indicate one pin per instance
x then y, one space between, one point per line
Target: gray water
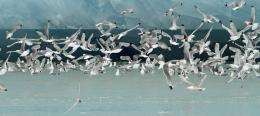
130 94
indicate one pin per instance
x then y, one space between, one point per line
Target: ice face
72 13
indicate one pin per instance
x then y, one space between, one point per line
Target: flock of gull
59 56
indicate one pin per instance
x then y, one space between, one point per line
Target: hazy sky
72 13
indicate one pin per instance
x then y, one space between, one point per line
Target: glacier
73 13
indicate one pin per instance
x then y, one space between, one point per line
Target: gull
22 50
218 55
69 41
142 53
188 56
241 70
78 100
47 40
150 64
50 66
86 45
109 51
122 34
127 11
45 36
11 33
160 59
74 45
241 66
142 71
117 72
198 87
215 62
85 57
37 66
161 45
60 50
25 40
184 36
252 20
207 18
235 5
105 28
237 57
250 44
172 10
4 67
172 40
2 88
46 30
234 33
48 52
167 75
126 58
203 44
192 86
174 25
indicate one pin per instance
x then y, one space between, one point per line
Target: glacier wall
72 13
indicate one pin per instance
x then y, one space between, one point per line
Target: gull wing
233 27
223 50
201 24
208 34
228 30
217 49
253 13
83 37
89 38
199 11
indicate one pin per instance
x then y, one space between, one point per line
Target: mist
73 13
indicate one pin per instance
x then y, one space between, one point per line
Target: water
130 94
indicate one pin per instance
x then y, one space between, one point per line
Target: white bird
2 88
174 25
252 20
172 40
184 36
127 11
11 33
122 34
4 67
24 40
45 36
78 100
46 39
86 45
206 17
109 51
198 87
167 75
192 86
235 5
117 72
234 33
105 28
22 50
172 10
203 44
